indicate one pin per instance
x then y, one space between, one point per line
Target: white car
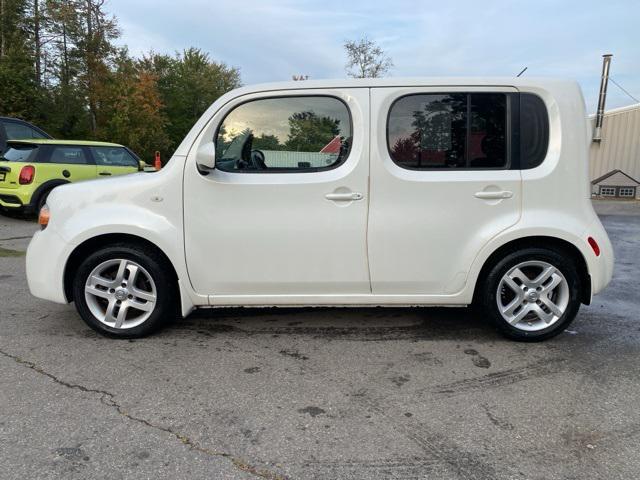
345 192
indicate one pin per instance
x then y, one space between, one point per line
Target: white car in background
344 192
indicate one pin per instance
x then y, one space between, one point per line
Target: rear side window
285 134
18 131
451 130
20 153
68 155
534 130
113 157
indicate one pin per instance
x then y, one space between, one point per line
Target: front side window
68 155
113 157
286 134
454 130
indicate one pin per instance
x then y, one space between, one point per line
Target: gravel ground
321 393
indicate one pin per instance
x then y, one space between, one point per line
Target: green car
30 169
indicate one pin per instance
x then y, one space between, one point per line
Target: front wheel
123 291
532 294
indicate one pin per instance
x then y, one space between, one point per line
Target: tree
267 142
405 149
133 110
18 87
188 84
365 59
60 68
310 133
94 43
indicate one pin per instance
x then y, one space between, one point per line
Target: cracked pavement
321 393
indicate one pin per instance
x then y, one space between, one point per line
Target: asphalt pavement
321 393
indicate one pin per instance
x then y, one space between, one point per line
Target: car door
283 215
111 160
66 162
444 181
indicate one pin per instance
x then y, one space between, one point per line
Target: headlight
43 217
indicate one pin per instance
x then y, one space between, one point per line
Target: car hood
135 188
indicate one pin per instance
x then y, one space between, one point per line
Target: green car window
69 155
113 157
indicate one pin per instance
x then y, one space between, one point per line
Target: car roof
405 82
80 143
24 122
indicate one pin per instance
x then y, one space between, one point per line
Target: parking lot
321 393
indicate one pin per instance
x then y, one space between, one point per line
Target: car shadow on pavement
331 323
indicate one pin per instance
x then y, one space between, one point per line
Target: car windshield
20 153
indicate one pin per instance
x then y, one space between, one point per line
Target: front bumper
46 258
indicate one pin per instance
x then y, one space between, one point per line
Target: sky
273 40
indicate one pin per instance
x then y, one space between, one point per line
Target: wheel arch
544 241
92 244
44 188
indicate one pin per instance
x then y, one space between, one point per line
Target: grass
5 252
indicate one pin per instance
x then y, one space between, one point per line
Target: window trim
287 170
509 140
608 189
632 192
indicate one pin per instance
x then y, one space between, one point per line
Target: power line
620 87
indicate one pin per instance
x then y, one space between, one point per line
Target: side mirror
206 156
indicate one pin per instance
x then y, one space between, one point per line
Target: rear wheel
42 200
532 294
123 291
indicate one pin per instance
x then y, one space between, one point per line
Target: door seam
366 234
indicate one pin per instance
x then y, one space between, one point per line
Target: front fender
105 219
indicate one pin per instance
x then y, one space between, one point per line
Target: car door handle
344 197
494 195
104 173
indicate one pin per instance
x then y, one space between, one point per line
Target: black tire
488 291
42 199
165 309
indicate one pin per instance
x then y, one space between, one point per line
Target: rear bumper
12 199
46 259
600 266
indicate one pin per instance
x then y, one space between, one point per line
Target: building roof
615 111
611 173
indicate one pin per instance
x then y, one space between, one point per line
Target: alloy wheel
120 293
532 295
